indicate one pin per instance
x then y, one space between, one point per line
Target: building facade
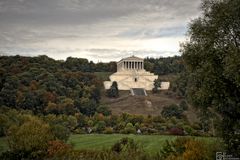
131 74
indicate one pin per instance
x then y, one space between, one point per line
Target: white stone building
131 74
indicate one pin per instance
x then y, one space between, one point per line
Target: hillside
149 105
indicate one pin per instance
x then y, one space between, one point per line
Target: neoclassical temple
130 63
131 74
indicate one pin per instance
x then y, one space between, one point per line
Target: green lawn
150 143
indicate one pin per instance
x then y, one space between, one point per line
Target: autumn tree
212 61
32 136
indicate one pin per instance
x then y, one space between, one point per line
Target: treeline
71 64
164 66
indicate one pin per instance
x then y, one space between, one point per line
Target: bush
186 149
108 130
176 131
188 129
104 110
176 147
194 149
58 148
100 126
130 129
171 111
79 131
125 145
61 132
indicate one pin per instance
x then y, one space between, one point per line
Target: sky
99 30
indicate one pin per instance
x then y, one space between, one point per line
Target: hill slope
145 105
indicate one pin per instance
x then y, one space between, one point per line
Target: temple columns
132 65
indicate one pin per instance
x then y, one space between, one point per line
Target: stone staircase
138 92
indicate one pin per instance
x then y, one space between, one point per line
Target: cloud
115 28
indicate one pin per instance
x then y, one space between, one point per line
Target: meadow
150 143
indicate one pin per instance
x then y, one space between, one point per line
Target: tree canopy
211 57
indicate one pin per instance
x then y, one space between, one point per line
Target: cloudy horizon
100 30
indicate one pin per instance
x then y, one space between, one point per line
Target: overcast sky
100 30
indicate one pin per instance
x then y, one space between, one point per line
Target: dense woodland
44 85
164 66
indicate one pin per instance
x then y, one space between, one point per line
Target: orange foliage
33 85
100 117
57 148
49 97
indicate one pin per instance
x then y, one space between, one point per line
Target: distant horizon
32 56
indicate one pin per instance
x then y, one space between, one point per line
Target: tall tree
113 91
212 61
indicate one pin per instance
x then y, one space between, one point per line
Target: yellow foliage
194 151
31 135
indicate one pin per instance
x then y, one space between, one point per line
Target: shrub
176 131
104 110
188 149
60 132
171 111
188 129
130 129
172 148
194 149
108 130
100 126
79 131
125 145
57 148
158 119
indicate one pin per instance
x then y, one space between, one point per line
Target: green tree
157 84
213 64
104 110
100 126
60 132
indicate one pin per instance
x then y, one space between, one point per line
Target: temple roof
131 58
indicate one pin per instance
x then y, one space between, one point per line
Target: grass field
150 143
